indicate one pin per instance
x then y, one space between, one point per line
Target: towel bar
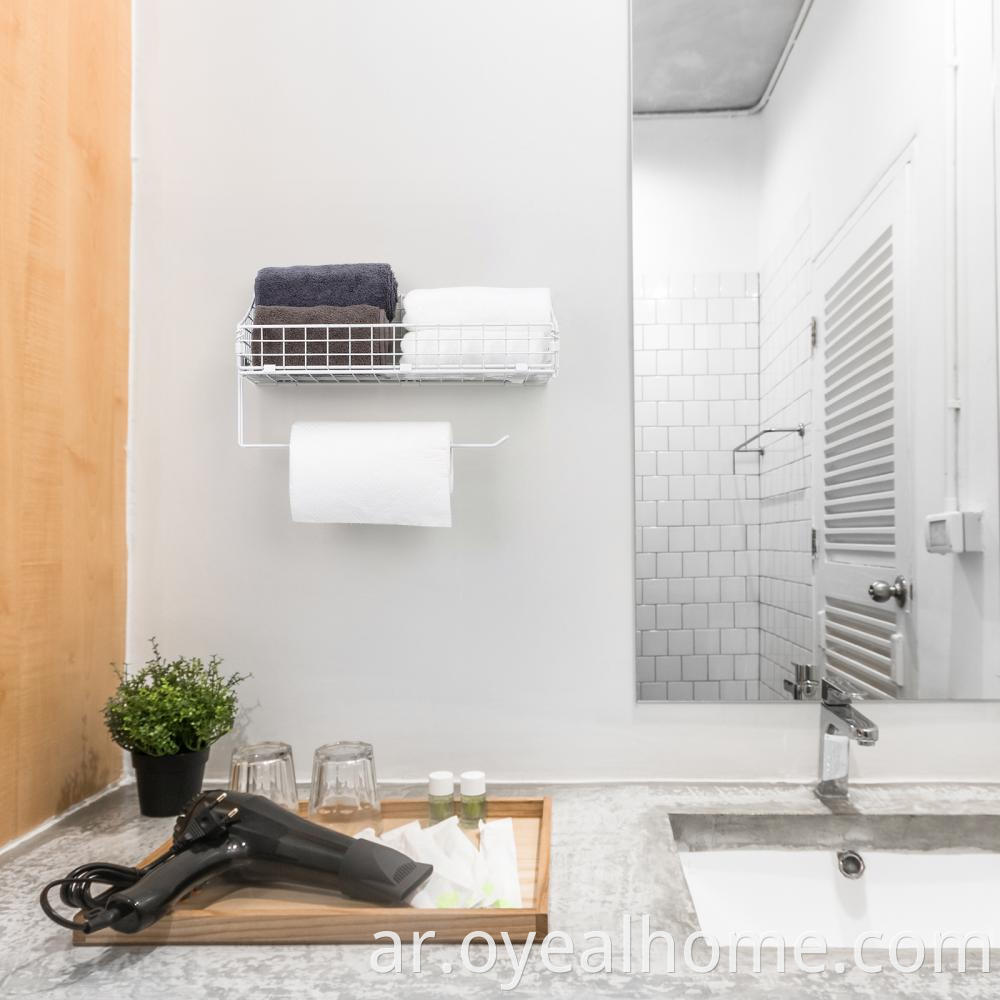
743 449
455 444
243 443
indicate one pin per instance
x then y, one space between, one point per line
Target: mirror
814 193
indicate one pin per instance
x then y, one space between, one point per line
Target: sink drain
851 864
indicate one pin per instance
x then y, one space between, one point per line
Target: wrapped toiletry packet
498 850
458 872
463 877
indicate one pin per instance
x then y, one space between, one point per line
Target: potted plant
168 714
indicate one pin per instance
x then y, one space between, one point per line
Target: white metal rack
303 346
396 353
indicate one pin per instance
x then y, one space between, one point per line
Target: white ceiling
706 55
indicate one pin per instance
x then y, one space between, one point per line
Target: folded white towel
477 327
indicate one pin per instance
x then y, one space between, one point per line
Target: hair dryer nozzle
381 874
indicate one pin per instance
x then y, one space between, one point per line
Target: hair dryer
243 837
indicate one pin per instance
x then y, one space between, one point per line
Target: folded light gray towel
327 285
292 345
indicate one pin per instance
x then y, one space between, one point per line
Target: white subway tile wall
697 523
786 565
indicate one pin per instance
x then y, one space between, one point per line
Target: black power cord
204 818
75 890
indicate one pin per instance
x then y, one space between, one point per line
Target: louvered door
861 447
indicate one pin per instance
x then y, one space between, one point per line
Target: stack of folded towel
477 327
336 306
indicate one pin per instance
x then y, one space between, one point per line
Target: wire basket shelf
396 352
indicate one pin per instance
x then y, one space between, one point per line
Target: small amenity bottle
440 796
473 789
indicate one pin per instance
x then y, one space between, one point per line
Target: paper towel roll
371 473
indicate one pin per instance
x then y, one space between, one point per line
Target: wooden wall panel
65 193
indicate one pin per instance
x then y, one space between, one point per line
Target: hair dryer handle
135 908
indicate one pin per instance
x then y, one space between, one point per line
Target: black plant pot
166 784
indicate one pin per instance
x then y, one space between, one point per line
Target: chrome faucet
803 688
840 724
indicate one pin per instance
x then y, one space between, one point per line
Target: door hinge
815 544
813 332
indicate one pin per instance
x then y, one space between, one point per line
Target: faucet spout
840 725
865 731
851 723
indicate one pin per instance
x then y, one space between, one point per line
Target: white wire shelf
396 352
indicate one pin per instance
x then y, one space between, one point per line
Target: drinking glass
265 769
344 793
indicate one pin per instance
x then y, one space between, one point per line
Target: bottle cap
440 783
473 782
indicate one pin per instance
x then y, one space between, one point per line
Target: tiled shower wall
696 397
786 568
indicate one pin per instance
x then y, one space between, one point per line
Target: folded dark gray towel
327 285
327 345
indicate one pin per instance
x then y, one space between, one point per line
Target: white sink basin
793 892
946 880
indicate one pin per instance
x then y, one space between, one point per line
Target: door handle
880 591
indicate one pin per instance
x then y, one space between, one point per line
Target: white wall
696 195
464 142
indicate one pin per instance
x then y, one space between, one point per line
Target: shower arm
743 449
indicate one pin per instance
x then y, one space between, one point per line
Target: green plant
171 707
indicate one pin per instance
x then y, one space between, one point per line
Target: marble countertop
613 853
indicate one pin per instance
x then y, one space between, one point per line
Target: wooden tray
218 914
